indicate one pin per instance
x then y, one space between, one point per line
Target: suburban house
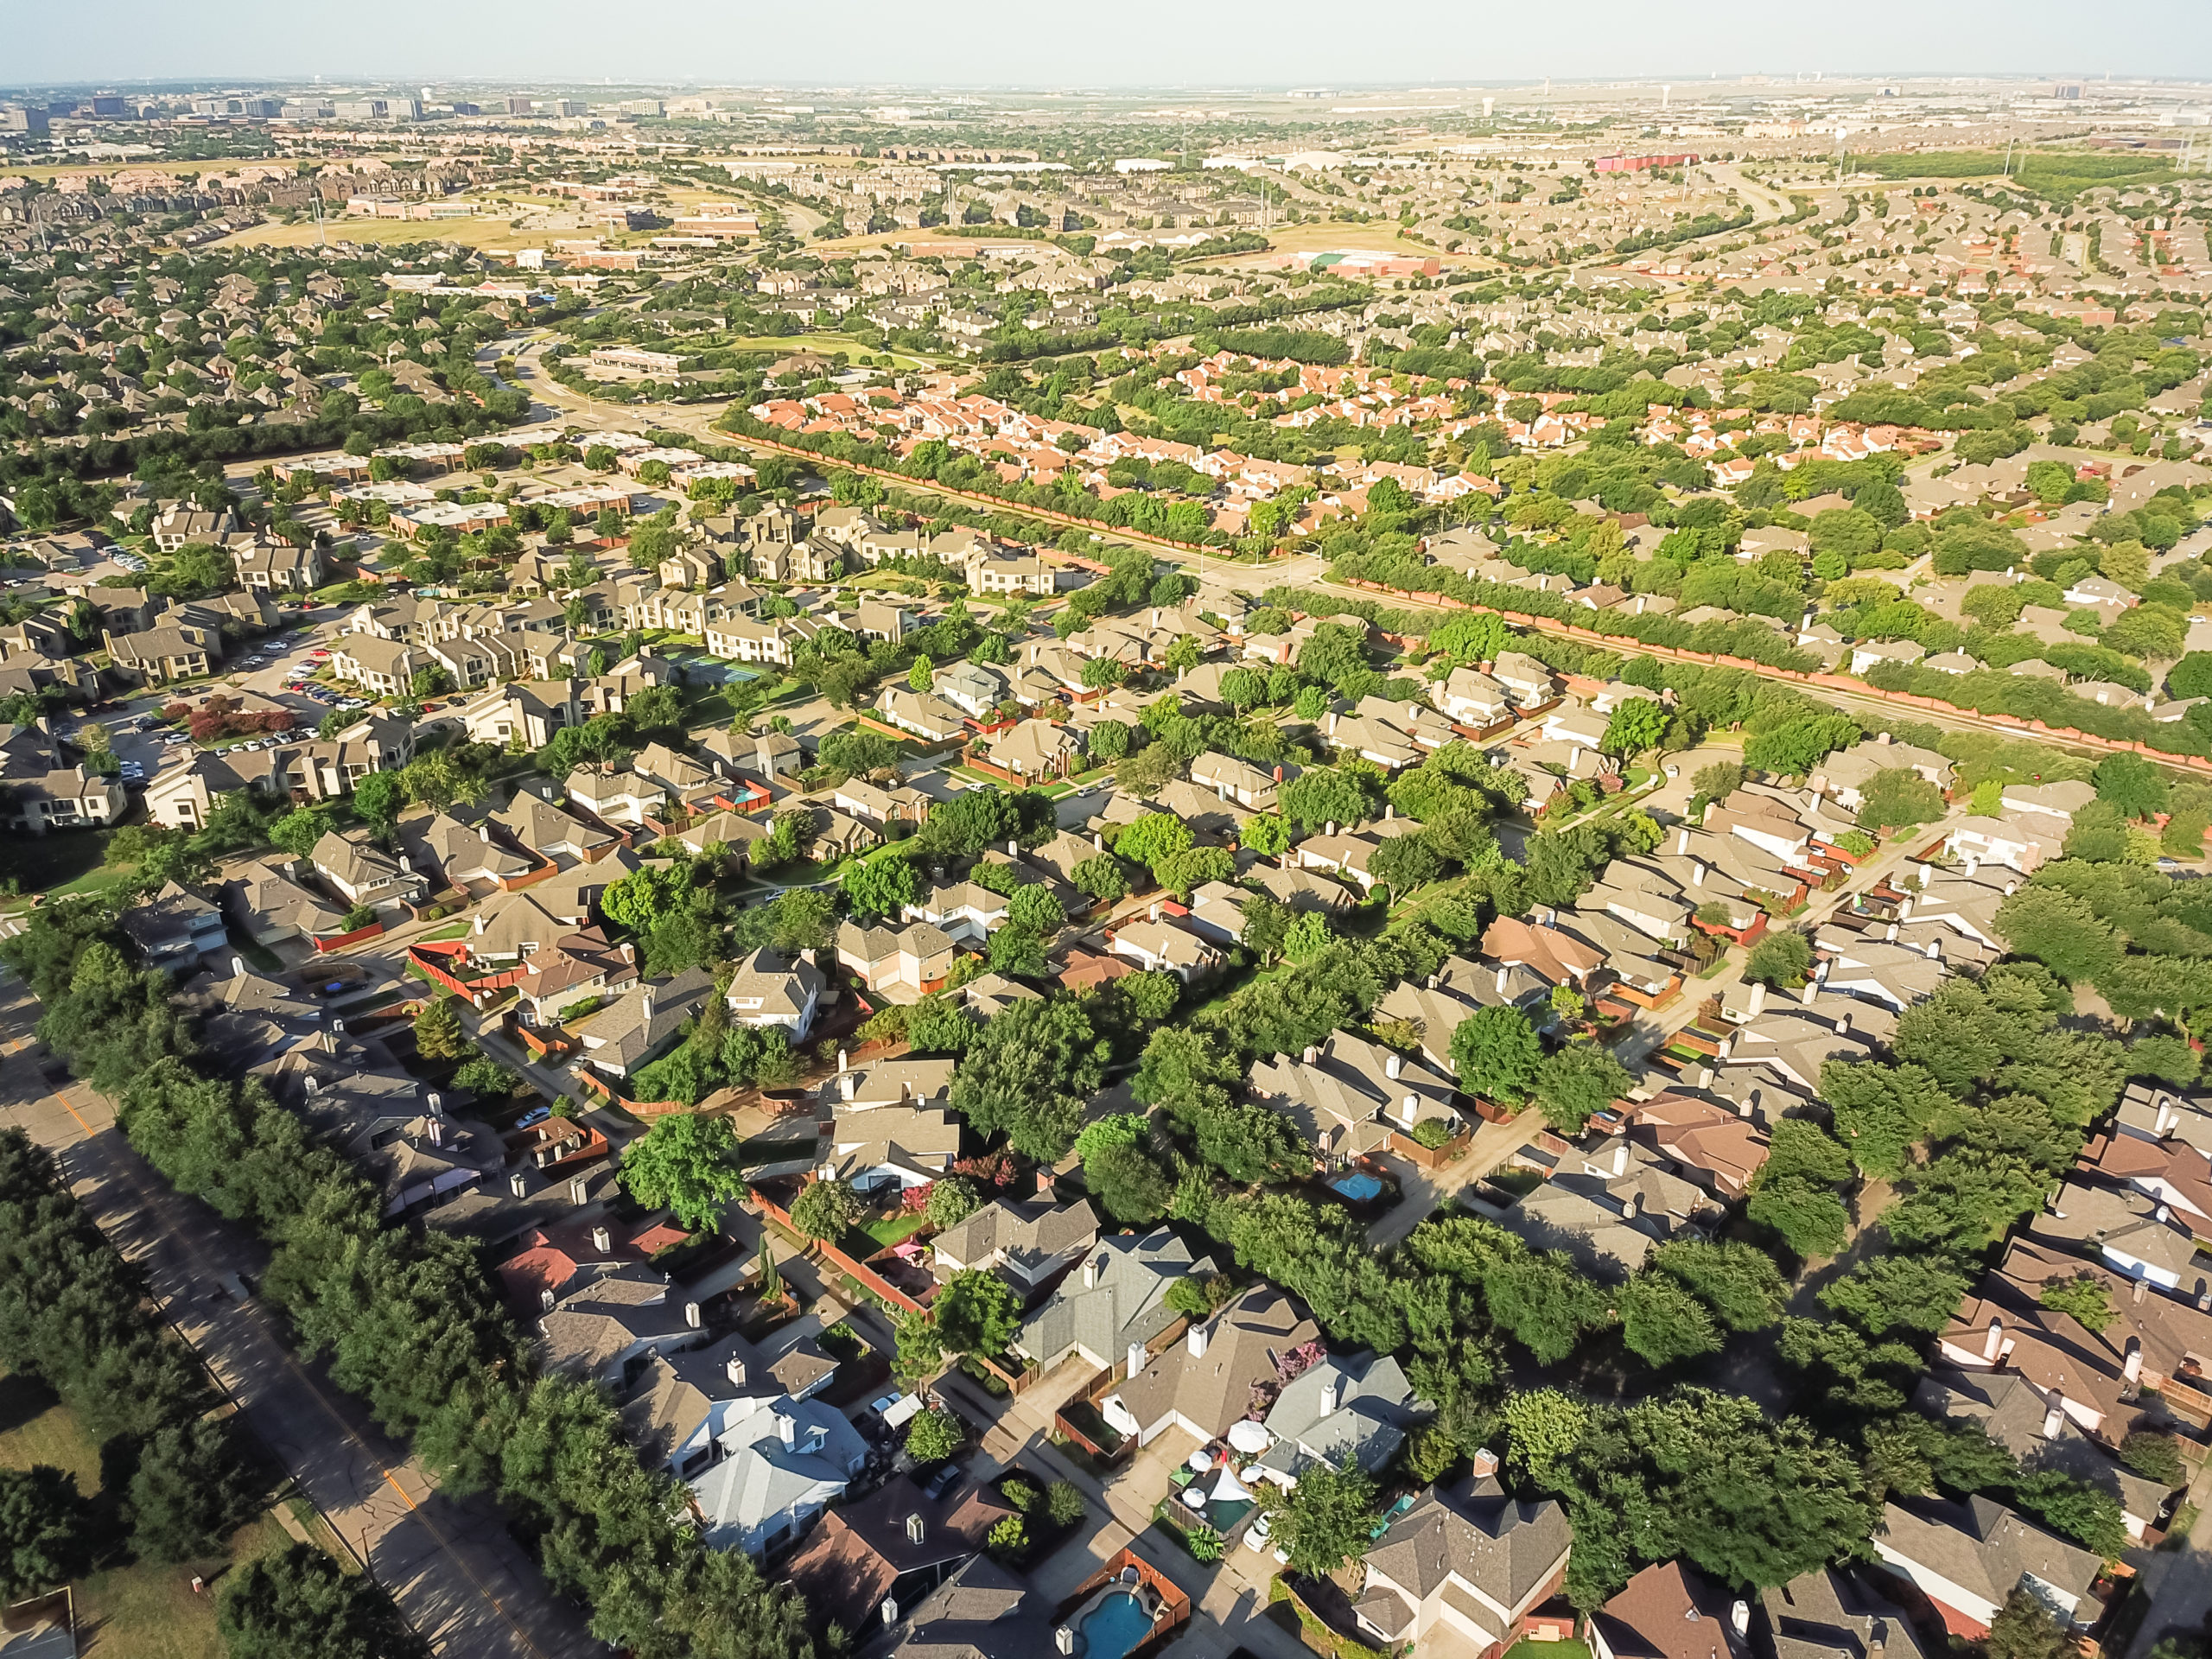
1159 946
1116 1302
777 1463
1830 1613
1967 1558
1348 1095
892 1548
175 928
1671 1611
1024 1243
1352 1411
1460 1572
1204 1383
607 1330
913 960
770 989
363 873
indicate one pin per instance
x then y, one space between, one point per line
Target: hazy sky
1122 43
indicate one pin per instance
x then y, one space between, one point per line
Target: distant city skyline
1143 43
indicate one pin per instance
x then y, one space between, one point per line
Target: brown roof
1669 1612
859 1551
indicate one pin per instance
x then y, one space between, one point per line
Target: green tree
378 797
1898 798
933 1436
1738 1281
1029 1075
647 897
1497 1053
1783 960
1101 878
190 1492
921 676
438 1033
826 1209
1543 1428
1636 725
1329 1519
44 1540
976 1313
2025 1629
2131 783
298 1605
1131 1187
881 887
952 1201
1152 840
1266 834
1661 1322
686 1163
1578 1080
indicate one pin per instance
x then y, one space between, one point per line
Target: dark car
942 1482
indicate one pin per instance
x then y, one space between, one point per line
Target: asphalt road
461 1581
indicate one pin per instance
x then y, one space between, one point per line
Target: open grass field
139 1612
63 861
495 235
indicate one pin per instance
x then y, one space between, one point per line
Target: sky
1127 43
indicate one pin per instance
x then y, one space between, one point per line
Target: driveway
461 1581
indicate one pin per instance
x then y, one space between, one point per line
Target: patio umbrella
1229 1489
1248 1436
1194 1498
1200 1460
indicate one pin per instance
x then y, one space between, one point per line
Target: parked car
1256 1535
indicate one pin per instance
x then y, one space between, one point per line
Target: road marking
401 1490
72 1110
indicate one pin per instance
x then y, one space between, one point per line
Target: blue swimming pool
1113 1626
1359 1186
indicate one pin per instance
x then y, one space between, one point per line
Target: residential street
459 1579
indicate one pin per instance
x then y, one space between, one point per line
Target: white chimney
602 1240
845 1085
545 1298
1392 1066
1097 843
1503 973
2169 1114
648 995
1014 849
1740 1619
691 1315
578 1193
917 1529
1063 1639
1758 1004
1090 1273
2132 1372
736 1370
2054 1416
1995 1341
1135 1357
237 966
518 1183
842 1063
891 1609
1620 1159
1682 842
1311 1054
1328 1399
787 1429
1194 1339
1697 873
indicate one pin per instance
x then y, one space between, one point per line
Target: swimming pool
1359 1186
1117 1624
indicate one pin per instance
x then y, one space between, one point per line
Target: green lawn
65 862
1525 1648
451 930
887 1230
126 1612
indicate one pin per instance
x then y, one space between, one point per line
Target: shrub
933 1436
1064 1503
1020 1493
1009 1536
1203 1543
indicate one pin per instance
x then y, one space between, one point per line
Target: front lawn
887 1230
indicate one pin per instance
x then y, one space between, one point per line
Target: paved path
456 1574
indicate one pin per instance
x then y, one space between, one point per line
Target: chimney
1155 910
602 1240
1332 723
2169 1114
1843 1022
2141 1286
1935 949
844 1062
2133 1371
1682 842
787 1429
691 1315
1758 1004
1389 813
917 1529
1328 1399
1972 863
629 951
578 1193
1620 1159
1697 873
1195 1339
845 1085
1392 1066
1505 972
648 994
436 1105
237 966
1014 849
435 1129
2054 1416
518 1183
1889 937
1134 1358
1090 1272
1994 1343
1740 1619
1063 1639
1311 1054
1278 772
545 1298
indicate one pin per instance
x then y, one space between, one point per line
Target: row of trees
408 1321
